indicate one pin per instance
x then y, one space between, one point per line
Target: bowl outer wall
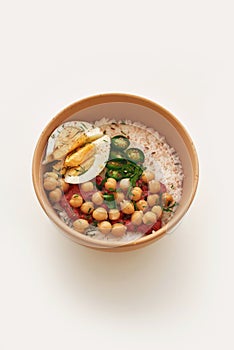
86 108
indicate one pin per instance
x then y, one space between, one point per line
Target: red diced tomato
162 188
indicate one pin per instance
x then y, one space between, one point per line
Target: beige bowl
123 106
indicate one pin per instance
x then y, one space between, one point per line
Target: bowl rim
89 102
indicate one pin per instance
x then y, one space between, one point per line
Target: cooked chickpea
147 176
76 201
153 199
87 208
125 184
50 183
112 180
149 218
105 227
127 207
114 214
80 225
154 186
100 214
136 193
119 197
87 186
110 184
63 185
51 174
97 198
157 210
55 195
136 218
167 199
118 230
142 205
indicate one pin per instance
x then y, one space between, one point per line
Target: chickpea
127 207
51 174
142 205
153 199
118 230
87 186
97 198
114 214
154 186
125 184
80 225
119 197
167 199
50 183
105 227
100 214
76 201
136 218
136 193
55 195
149 218
147 176
63 185
87 208
110 184
157 210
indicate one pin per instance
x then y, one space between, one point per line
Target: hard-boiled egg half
78 150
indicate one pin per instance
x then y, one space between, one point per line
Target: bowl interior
121 107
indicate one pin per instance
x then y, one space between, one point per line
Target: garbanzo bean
125 184
100 214
147 176
127 207
118 230
153 199
87 186
142 205
97 198
105 227
55 195
149 218
87 207
157 210
51 174
119 197
50 183
80 225
154 186
76 200
136 193
136 218
110 184
63 185
114 214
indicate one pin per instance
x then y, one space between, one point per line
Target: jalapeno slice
116 154
120 142
135 154
116 174
115 164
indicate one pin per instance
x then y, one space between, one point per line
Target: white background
175 294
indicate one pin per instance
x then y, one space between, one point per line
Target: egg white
101 157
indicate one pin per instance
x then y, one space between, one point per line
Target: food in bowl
114 180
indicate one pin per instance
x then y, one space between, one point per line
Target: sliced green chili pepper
115 164
116 154
108 197
135 154
120 142
116 174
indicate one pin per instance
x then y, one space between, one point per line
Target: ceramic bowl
135 108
